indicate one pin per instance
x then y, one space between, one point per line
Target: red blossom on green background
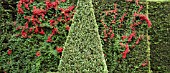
126 51
59 49
143 17
42 32
38 53
9 52
67 27
63 0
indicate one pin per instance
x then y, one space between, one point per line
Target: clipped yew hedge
136 58
34 41
159 13
83 49
20 54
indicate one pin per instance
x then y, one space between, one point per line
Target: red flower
54 4
43 15
38 11
67 19
141 7
51 22
129 0
63 0
48 5
137 41
20 11
38 53
24 34
144 64
105 34
27 6
137 2
67 27
9 51
26 25
54 31
18 28
30 29
70 8
121 44
126 51
19 4
123 37
112 35
59 18
42 32
27 18
49 39
105 39
131 36
122 18
124 55
31 1
36 30
59 50
143 17
110 31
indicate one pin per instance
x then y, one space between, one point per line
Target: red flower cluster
59 49
144 64
34 19
131 36
124 37
66 12
49 38
143 17
38 53
51 22
26 5
67 27
133 26
122 18
63 0
126 51
51 4
24 34
9 51
129 0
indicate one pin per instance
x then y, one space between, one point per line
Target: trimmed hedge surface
159 13
83 50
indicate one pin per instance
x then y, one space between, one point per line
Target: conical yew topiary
83 50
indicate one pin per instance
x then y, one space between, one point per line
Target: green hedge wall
34 54
23 57
83 50
111 48
159 13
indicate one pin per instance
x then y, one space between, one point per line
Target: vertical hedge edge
83 50
148 43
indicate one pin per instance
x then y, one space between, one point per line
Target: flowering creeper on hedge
38 15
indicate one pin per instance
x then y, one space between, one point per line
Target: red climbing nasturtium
9 51
59 49
38 53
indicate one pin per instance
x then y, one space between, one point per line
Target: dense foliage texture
159 13
34 42
83 50
115 19
38 51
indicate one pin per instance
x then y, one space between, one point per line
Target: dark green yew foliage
159 13
83 50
